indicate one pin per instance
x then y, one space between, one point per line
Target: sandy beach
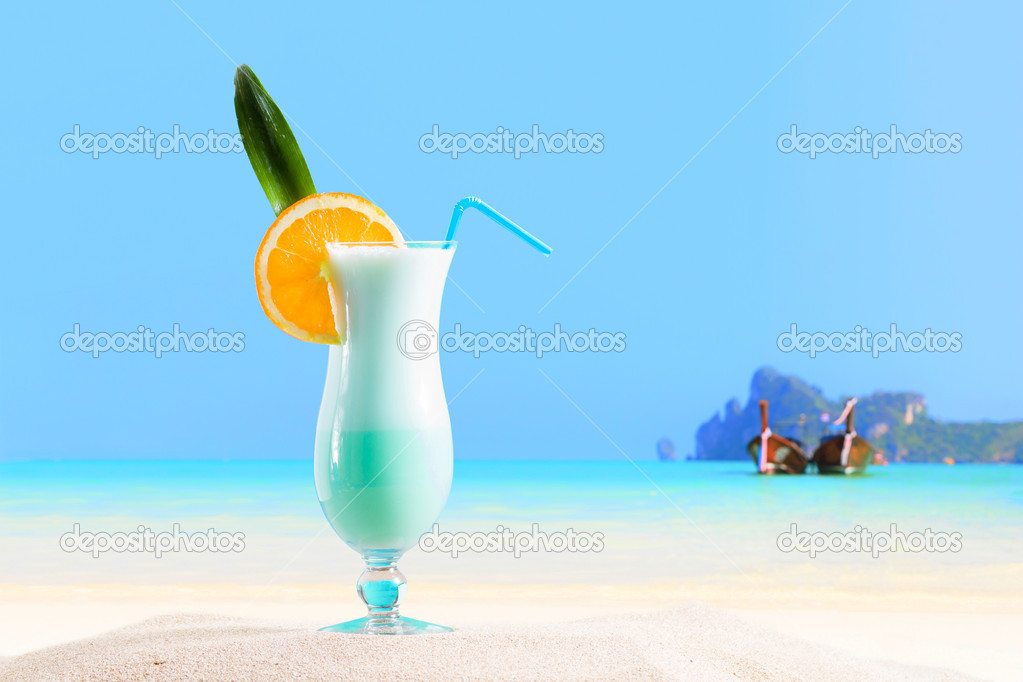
691 642
534 632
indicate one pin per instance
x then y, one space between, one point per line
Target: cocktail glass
383 455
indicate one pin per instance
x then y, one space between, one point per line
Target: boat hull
784 456
828 456
840 470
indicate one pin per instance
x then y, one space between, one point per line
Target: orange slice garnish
292 277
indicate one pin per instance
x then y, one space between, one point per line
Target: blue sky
690 231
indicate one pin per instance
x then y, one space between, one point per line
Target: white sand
689 642
984 645
960 631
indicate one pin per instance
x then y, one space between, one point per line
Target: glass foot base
387 626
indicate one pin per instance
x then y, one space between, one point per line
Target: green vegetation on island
896 423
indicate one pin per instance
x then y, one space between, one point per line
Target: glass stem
382 588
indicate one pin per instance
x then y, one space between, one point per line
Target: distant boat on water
665 450
774 454
844 453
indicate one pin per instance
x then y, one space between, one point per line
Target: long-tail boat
844 453
774 454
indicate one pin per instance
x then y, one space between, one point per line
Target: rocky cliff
896 423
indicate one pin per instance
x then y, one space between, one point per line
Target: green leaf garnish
273 151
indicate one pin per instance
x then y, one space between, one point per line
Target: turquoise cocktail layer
385 488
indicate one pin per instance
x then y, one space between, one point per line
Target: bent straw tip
492 213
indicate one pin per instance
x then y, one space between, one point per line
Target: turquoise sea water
171 489
698 517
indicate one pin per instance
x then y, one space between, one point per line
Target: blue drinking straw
489 211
